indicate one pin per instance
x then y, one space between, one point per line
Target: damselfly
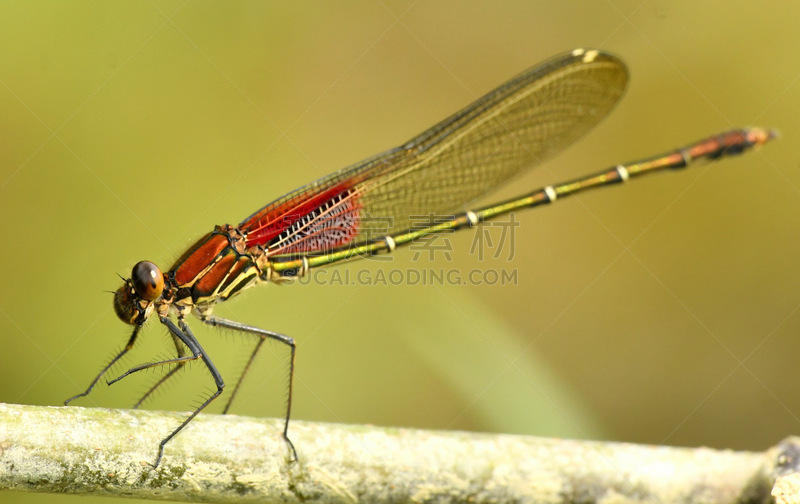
374 206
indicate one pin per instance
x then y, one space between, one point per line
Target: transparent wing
518 125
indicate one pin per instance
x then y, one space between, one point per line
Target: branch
237 459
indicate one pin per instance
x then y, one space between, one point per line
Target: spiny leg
218 322
241 376
180 348
263 334
185 335
181 360
125 350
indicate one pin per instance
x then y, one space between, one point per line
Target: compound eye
148 282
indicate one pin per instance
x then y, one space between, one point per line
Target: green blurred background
664 312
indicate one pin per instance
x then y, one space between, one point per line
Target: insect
344 215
